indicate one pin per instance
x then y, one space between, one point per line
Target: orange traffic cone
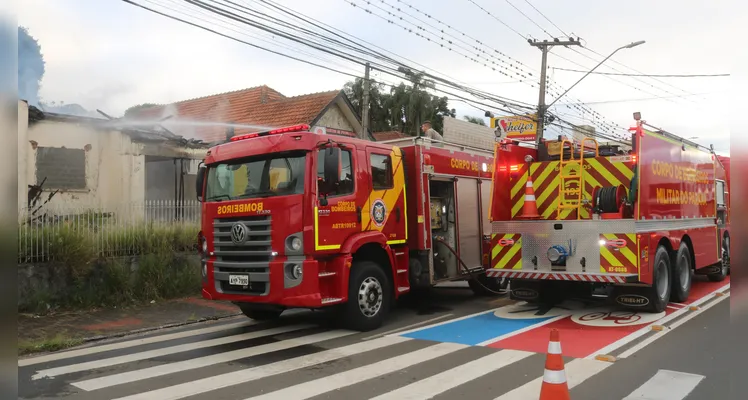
530 208
554 378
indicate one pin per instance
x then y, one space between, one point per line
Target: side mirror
332 167
200 181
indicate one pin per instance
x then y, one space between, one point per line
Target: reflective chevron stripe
619 259
506 251
557 276
598 172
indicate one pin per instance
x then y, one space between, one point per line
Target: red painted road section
582 340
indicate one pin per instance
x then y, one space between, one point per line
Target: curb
99 338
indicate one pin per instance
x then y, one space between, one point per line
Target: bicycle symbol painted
602 317
618 317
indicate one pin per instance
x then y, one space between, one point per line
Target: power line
546 18
385 69
498 19
530 19
647 75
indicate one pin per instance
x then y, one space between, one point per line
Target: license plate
239 280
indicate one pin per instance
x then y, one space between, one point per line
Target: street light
628 46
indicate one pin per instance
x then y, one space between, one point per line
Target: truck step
402 271
330 300
402 289
324 274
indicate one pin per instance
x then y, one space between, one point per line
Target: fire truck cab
569 218
296 219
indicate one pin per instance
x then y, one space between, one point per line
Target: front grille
252 257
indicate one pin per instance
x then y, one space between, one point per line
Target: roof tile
258 106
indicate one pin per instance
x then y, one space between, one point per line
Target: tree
132 110
31 67
378 114
405 107
475 120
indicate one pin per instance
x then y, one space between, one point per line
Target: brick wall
468 134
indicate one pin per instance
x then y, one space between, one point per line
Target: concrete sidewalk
56 331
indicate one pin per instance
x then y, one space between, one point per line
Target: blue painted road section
474 330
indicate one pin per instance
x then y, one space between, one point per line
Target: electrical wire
389 71
647 75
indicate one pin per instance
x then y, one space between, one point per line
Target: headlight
297 271
205 246
205 269
296 244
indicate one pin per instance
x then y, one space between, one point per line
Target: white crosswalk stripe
161 370
667 385
131 343
439 383
106 362
304 362
347 378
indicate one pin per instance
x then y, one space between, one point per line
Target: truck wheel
725 265
260 315
486 286
368 297
681 282
659 293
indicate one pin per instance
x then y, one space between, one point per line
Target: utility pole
544 47
365 105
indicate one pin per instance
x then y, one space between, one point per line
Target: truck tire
659 292
682 269
725 265
486 286
259 314
369 297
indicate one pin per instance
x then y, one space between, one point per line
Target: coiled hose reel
608 199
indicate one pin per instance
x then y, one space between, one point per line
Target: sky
112 55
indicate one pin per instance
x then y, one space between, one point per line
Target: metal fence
49 232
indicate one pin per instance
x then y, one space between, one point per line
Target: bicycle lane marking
486 326
584 337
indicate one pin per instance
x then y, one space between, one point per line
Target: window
720 193
265 176
345 174
381 172
61 168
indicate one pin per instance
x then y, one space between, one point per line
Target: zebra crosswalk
283 361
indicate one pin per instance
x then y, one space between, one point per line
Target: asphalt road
301 356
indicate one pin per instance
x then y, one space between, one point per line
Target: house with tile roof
254 109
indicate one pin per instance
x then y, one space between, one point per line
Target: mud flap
632 298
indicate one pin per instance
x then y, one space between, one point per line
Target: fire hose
465 268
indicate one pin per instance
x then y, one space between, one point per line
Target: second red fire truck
296 219
569 218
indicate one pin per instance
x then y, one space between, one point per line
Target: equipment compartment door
468 222
385 209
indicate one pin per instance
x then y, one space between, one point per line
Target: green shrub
97 266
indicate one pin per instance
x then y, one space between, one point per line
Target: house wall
23 143
336 119
112 165
468 134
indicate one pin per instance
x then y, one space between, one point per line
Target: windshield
264 176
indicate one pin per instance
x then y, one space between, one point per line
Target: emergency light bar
294 128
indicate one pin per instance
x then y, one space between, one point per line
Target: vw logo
238 233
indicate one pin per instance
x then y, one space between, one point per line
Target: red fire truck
569 218
296 219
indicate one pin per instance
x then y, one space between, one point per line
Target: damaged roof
261 107
153 134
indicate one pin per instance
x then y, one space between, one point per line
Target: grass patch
57 343
105 267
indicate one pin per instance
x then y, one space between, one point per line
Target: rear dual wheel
724 269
